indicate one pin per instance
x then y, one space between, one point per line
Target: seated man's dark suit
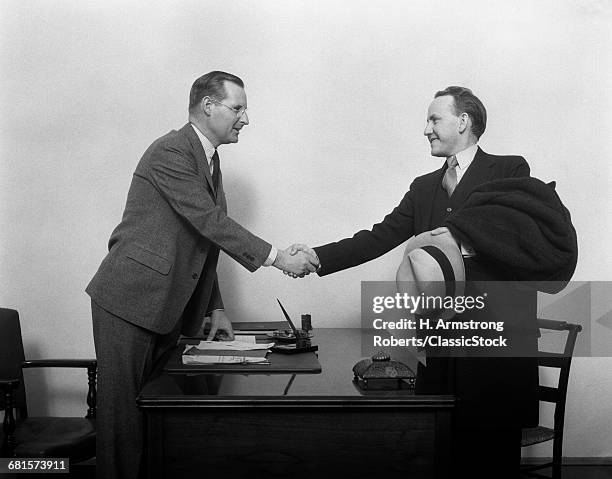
494 393
159 279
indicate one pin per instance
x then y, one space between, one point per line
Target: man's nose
428 129
244 119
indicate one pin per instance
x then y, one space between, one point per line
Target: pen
287 318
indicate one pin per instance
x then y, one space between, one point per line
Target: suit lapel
200 156
429 185
480 171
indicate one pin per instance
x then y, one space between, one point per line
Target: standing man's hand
298 264
295 249
221 326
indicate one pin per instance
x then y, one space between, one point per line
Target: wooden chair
24 436
557 395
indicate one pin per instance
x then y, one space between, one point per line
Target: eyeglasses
240 112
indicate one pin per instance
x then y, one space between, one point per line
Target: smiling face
227 115
444 128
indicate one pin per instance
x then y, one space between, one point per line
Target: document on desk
227 352
229 359
238 345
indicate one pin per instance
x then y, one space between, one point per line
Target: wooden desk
235 426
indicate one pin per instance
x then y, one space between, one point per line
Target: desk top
339 350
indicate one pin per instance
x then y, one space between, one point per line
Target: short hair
212 85
466 102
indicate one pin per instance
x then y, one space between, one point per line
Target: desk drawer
258 442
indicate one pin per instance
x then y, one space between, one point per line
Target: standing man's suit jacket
168 241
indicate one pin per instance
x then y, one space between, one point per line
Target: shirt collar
465 157
209 149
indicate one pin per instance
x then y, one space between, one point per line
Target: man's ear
464 123
205 106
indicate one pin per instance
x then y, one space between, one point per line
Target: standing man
159 278
497 396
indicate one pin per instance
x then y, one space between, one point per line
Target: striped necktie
449 182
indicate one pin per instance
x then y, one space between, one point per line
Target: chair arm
8 425
90 364
60 363
552 324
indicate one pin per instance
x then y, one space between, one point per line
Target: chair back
561 361
12 358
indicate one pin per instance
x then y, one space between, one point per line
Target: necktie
215 170
449 182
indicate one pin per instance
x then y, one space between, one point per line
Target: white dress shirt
464 160
209 149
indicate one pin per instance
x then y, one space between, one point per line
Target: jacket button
449 209
194 275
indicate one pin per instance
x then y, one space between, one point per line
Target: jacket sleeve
173 173
367 245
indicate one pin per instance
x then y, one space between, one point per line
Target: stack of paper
189 359
245 350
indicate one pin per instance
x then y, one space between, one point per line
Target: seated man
497 396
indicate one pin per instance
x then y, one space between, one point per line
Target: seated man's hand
220 326
444 230
298 264
439 231
295 249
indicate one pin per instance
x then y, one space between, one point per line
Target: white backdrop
337 94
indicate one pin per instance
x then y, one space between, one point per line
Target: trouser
127 356
486 451
486 436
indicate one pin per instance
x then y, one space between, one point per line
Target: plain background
337 94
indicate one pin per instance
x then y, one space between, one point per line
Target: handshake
297 261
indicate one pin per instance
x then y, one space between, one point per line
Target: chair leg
557 457
8 443
91 393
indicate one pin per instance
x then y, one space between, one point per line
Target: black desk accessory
301 339
282 336
381 372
